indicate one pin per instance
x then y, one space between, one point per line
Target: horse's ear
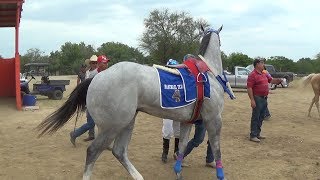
201 27
220 28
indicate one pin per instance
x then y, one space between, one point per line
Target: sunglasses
93 62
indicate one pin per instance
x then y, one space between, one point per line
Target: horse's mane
306 80
204 43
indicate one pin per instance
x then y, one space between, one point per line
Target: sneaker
72 139
164 158
267 117
88 139
261 137
211 165
255 139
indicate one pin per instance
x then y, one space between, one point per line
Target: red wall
7 78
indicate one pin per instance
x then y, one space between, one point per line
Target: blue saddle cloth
179 90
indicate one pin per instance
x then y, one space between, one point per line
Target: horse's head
210 48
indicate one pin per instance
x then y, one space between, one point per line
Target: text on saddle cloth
179 90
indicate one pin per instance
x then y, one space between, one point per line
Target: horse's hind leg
103 140
214 128
317 104
120 148
309 110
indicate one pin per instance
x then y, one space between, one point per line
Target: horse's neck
214 61
213 54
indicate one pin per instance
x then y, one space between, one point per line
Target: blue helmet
172 62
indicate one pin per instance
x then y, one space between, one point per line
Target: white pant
170 128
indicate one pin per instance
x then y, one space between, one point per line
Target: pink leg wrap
219 164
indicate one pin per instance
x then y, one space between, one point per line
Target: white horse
115 96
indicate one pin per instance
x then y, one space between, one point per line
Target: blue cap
172 62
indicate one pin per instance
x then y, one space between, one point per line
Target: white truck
238 78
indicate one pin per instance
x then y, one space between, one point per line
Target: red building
10 14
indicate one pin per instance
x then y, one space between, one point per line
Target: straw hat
93 58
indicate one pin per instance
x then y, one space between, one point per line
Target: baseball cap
103 59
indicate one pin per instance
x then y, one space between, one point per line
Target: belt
264 97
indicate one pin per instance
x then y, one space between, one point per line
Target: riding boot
176 148
91 135
165 151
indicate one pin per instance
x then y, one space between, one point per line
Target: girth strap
199 76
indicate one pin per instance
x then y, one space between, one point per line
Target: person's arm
276 81
250 94
250 83
78 81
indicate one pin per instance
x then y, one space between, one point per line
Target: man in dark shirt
258 90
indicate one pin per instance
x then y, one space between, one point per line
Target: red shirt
259 83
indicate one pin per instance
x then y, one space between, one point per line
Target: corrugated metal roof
9 9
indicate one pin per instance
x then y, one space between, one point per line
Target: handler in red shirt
258 90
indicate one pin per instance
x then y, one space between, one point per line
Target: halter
209 31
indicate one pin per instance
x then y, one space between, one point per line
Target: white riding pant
170 128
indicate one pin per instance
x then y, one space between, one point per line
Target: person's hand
253 103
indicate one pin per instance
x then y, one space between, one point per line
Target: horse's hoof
178 167
179 176
220 173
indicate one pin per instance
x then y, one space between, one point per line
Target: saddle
201 65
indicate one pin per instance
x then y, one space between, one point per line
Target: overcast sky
267 28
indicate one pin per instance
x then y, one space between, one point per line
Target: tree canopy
170 35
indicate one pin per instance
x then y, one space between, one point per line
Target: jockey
170 129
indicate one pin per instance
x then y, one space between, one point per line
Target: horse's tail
75 103
306 80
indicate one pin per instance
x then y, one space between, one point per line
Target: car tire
57 95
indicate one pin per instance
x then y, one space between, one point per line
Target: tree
304 66
170 35
120 52
282 63
72 55
33 55
237 59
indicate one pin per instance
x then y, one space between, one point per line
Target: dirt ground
291 150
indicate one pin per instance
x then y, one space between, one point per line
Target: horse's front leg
184 137
214 128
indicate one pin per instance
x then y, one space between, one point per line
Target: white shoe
211 165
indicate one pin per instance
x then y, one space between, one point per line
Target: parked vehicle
238 78
270 68
52 88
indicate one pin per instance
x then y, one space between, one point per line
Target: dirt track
291 150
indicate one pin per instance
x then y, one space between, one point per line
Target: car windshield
243 71
250 67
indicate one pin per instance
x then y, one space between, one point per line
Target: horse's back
122 87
